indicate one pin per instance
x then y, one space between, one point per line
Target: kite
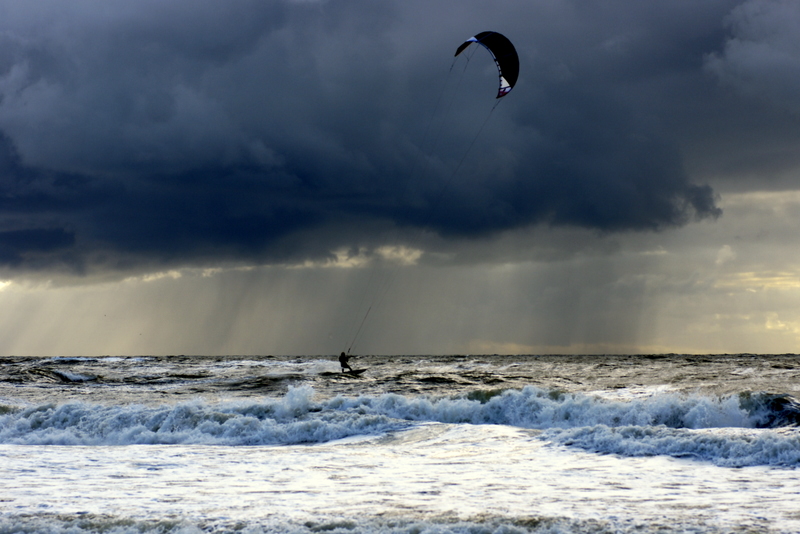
504 55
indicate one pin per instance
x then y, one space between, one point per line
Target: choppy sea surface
416 444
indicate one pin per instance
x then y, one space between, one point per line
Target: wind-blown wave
759 429
48 524
731 448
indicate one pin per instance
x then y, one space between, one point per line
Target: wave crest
663 424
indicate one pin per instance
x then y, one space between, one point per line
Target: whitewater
417 444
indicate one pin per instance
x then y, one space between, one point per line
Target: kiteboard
354 372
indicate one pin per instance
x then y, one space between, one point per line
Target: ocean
416 444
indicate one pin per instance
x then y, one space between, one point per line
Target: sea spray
289 420
662 424
731 448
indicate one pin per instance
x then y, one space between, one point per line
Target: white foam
333 524
292 419
728 448
536 408
662 424
445 478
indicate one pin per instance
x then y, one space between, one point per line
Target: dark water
147 379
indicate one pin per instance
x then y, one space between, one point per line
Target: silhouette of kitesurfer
343 358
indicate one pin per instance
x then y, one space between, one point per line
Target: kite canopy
504 54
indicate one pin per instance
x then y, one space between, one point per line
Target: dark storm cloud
761 57
13 244
176 131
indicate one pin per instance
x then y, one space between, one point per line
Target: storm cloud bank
191 133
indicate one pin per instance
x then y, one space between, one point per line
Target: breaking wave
367 525
735 430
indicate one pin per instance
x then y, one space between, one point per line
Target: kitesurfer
343 358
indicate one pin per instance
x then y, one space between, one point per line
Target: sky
303 177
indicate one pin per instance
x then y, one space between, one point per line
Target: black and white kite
504 54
